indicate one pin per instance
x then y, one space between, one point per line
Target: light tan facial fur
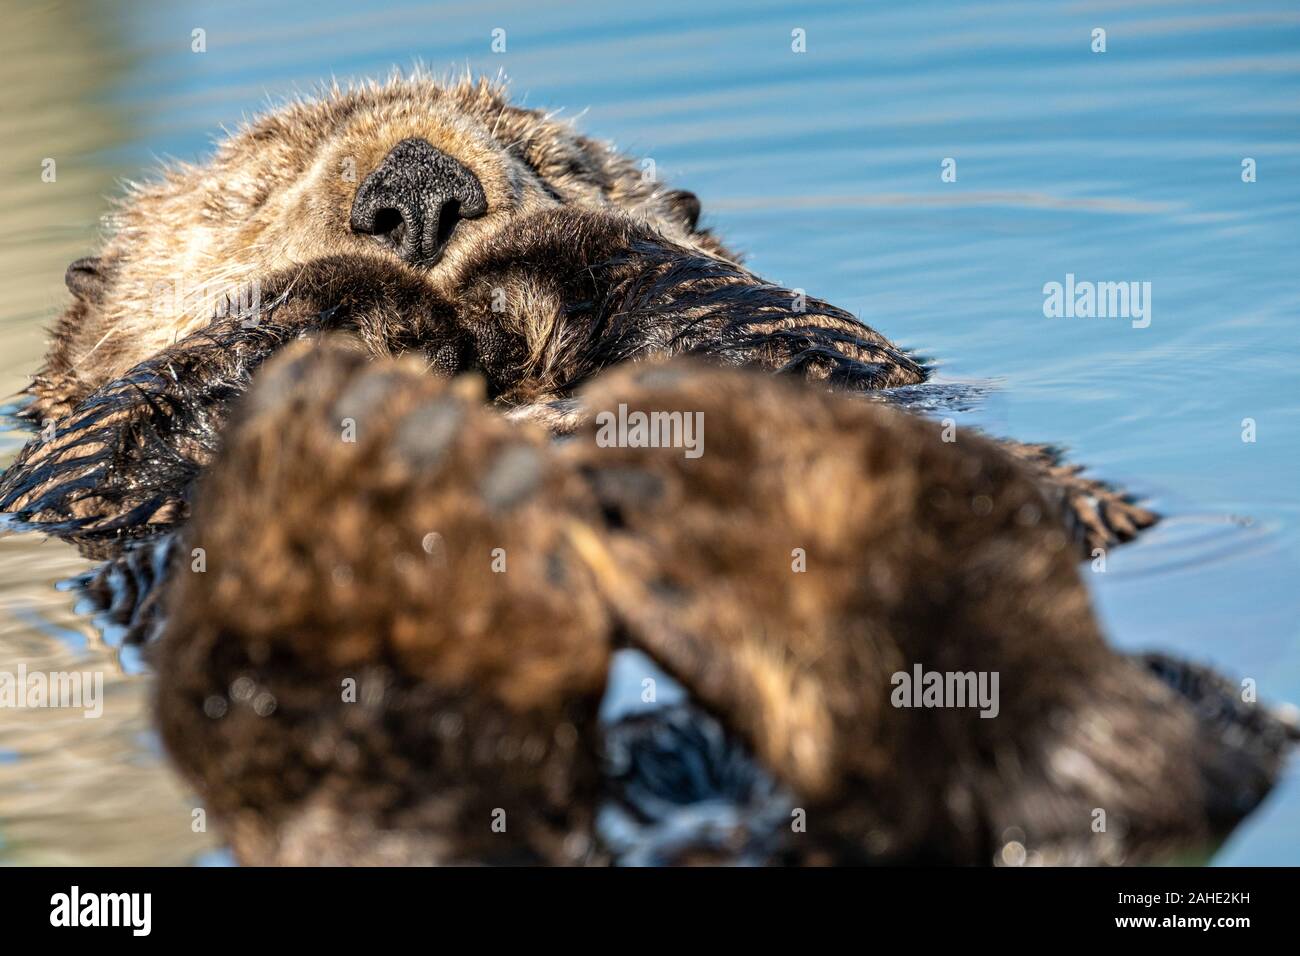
278 193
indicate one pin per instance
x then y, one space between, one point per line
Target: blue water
824 167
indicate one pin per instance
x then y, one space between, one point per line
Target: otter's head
418 172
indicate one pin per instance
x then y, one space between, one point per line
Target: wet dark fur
918 551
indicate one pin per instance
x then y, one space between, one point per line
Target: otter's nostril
415 199
389 227
448 218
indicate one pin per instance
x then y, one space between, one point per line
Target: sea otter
469 581
440 224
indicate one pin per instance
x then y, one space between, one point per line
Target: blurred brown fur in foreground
473 579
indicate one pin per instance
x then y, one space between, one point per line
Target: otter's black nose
414 200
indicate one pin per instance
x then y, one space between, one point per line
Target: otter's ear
87 278
686 206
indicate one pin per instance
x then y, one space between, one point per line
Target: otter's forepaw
102 470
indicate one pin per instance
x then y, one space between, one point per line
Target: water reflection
72 790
